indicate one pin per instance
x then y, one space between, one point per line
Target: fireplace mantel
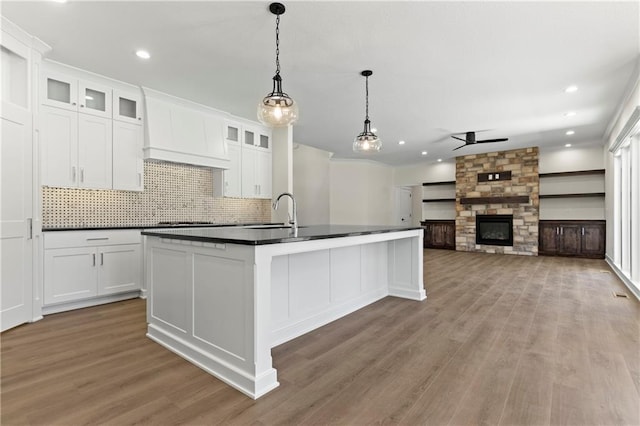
514 199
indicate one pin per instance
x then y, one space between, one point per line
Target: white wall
311 184
571 159
426 172
361 193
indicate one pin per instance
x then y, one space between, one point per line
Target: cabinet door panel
549 233
127 107
59 147
95 152
94 99
263 174
593 240
120 269
233 175
569 240
70 274
128 164
60 91
249 186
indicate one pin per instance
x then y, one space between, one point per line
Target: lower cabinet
580 238
439 234
89 264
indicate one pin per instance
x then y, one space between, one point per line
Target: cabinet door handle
583 230
73 173
81 106
73 103
561 230
30 224
557 230
81 174
94 259
101 259
140 118
139 179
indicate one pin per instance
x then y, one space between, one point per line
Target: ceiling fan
470 139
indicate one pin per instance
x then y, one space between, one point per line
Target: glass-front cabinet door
127 106
60 91
94 99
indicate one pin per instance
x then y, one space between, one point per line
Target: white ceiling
438 67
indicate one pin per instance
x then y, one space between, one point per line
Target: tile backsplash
172 192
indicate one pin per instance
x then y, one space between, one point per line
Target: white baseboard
85 303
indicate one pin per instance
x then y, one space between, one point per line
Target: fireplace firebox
494 230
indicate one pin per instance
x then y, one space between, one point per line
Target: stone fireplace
496 186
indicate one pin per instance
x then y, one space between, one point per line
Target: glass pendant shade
367 141
277 109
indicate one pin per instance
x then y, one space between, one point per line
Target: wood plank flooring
501 340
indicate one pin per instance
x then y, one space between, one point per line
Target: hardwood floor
501 340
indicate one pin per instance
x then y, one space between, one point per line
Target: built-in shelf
515 199
576 173
452 182
581 195
437 200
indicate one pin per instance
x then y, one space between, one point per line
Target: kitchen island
223 297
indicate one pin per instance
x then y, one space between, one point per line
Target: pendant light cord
278 45
367 97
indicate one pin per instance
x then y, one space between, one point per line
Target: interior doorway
403 206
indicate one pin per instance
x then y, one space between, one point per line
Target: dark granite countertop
253 236
156 226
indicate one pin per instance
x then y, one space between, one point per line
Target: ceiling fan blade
461 146
460 139
493 140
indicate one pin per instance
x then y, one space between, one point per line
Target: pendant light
367 141
277 109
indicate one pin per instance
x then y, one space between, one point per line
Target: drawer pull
98 239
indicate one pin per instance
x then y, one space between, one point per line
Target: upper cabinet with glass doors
127 106
257 137
83 96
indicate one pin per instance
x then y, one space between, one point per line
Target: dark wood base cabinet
440 234
579 238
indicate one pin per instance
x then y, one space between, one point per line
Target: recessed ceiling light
570 132
142 54
439 160
401 142
570 114
424 152
571 89
567 145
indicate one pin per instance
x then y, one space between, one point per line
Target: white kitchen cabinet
232 177
256 173
256 136
128 164
127 106
94 152
77 149
70 274
67 92
86 265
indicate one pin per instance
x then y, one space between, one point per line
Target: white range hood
182 131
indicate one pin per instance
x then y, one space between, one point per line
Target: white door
16 196
403 206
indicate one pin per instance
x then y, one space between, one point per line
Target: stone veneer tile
524 181
172 192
